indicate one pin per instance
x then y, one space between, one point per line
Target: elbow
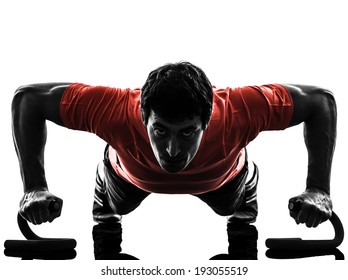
19 96
325 112
322 102
23 99
25 89
327 94
328 102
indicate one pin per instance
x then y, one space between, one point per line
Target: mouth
173 165
173 160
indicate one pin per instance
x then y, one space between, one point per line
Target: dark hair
177 90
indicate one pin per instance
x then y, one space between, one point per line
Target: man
178 134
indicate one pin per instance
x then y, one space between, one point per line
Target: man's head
176 106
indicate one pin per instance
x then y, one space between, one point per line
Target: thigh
123 197
227 199
102 212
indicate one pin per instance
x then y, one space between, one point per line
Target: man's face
176 142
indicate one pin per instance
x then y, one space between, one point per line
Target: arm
32 105
316 108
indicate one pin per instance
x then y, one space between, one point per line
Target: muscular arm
316 107
32 105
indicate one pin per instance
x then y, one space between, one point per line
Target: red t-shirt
239 114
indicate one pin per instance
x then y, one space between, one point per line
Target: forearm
32 105
29 135
320 138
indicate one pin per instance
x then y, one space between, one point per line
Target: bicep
52 103
40 100
310 102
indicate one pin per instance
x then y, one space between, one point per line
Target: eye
188 133
159 132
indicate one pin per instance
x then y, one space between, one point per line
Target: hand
316 207
34 207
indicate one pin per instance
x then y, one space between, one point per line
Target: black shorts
115 197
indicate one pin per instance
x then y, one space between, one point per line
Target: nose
173 148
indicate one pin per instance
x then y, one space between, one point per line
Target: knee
225 210
123 208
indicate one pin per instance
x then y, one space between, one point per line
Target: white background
117 43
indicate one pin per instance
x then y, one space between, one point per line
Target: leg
102 212
107 234
248 210
242 237
237 201
113 197
226 200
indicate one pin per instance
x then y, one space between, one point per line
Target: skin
34 104
316 108
174 143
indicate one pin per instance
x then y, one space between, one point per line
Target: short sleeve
271 106
95 109
260 108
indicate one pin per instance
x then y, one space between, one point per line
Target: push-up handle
299 244
37 243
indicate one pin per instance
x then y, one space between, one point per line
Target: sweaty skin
34 104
